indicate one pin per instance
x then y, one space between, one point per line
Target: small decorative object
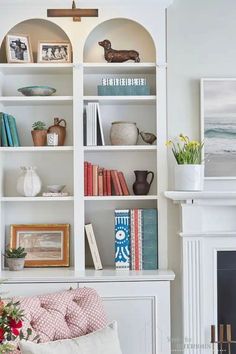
29 183
15 258
37 90
56 188
141 186
54 194
118 56
189 171
52 139
148 138
124 133
58 129
54 52
47 245
39 133
18 49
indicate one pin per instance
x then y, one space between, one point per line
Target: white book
88 125
99 125
94 124
93 246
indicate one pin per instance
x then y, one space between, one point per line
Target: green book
14 132
4 141
150 239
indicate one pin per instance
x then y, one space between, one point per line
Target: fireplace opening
226 295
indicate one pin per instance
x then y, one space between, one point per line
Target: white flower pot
28 184
16 264
189 177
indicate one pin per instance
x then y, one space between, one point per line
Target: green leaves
186 151
15 253
39 125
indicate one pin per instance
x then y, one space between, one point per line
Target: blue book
122 239
4 141
149 239
14 132
8 130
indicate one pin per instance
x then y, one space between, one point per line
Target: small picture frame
18 49
47 245
54 52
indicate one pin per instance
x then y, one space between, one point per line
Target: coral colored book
136 238
123 183
104 182
115 181
100 182
95 180
118 183
85 178
90 179
108 179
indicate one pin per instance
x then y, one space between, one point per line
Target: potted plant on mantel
189 171
15 258
39 133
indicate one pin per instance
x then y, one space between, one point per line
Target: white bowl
56 188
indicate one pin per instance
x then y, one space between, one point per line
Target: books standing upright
93 246
122 239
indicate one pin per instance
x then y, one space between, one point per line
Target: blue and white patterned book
122 239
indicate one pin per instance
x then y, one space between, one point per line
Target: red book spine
85 178
136 240
100 182
104 182
90 179
114 182
108 178
118 183
123 183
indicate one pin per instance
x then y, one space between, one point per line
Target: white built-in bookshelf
76 85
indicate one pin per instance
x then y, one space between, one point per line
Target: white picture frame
54 52
18 49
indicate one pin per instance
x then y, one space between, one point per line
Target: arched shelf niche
37 30
123 34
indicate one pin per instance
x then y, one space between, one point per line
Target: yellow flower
169 143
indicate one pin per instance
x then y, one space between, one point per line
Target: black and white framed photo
54 52
18 49
218 121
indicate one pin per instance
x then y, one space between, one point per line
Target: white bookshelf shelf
136 100
36 199
37 149
35 68
35 100
117 68
125 148
123 197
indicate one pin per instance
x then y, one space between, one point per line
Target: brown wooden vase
39 137
58 129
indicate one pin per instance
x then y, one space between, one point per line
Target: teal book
13 129
149 239
8 131
3 131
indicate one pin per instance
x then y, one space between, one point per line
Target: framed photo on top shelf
54 52
18 49
47 245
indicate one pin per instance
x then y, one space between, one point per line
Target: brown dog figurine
118 56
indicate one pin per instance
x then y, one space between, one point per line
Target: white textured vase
189 177
124 133
29 183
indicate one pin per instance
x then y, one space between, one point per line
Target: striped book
136 239
122 239
149 239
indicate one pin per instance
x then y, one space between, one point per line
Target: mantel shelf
204 195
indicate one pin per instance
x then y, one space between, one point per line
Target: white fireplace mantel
208 225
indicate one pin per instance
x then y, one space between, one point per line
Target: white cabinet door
142 310
26 289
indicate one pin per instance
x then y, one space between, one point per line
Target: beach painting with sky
219 125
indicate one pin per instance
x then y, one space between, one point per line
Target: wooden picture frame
54 52
18 49
47 245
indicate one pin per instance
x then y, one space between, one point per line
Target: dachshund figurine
118 56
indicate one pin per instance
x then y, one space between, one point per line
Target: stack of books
8 131
136 239
123 86
93 133
99 181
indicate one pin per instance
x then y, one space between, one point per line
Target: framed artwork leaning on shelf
54 52
18 49
47 245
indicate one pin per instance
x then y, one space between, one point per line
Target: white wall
201 43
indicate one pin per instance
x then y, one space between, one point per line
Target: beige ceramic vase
124 133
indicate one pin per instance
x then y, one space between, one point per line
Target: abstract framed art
47 245
218 126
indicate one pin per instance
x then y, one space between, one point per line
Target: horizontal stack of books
124 86
99 181
8 131
136 239
93 133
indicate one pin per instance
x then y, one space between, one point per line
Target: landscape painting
219 127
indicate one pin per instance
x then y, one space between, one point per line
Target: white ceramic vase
29 183
189 177
124 133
